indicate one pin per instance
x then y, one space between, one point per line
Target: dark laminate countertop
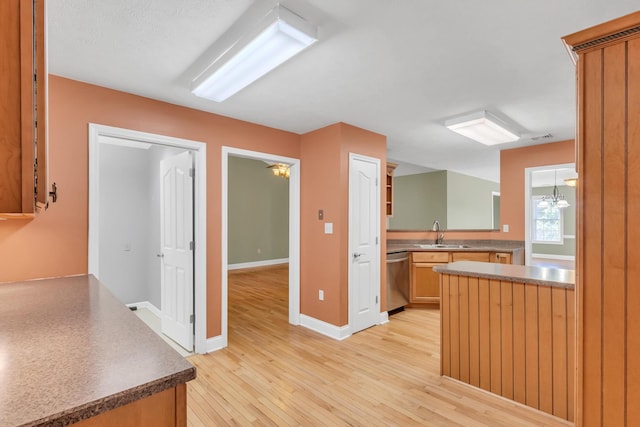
69 351
473 246
517 273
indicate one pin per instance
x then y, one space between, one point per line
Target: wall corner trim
332 331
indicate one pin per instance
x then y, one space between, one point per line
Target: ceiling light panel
278 37
484 127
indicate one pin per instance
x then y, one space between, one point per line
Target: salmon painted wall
512 165
55 243
319 252
325 185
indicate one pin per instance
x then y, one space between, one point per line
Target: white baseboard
215 344
146 304
255 264
332 331
384 318
559 257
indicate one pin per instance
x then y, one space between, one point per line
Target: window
547 223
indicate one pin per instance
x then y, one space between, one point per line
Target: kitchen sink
441 246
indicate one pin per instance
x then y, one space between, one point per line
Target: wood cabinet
165 409
608 221
389 188
23 144
425 283
510 338
501 257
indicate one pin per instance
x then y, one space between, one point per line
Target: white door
364 229
176 219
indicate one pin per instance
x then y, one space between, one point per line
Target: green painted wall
469 202
418 200
569 223
459 202
258 212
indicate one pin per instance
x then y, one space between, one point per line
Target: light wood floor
273 373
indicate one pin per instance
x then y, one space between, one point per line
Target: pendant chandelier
280 169
554 199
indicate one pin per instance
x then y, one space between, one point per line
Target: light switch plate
328 228
505 228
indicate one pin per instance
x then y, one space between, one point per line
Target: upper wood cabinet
23 84
389 207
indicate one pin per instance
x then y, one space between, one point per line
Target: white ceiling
399 68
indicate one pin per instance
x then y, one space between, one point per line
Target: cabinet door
425 283
23 166
502 258
10 119
471 256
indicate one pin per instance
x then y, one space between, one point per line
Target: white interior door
176 219
364 228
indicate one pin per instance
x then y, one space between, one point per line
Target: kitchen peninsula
510 330
71 353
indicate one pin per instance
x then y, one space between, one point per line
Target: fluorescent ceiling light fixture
279 36
483 127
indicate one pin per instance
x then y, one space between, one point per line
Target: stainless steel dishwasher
397 280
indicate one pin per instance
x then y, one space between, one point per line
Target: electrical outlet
505 228
321 295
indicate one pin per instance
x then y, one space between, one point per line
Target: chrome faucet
439 236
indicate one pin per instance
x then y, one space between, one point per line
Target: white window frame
534 202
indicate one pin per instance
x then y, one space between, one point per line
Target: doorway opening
293 254
125 232
550 225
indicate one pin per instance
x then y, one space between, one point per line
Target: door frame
199 211
376 257
294 230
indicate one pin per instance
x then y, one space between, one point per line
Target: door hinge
192 245
376 240
376 299
192 172
377 182
192 318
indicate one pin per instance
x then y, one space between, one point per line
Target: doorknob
160 255
356 255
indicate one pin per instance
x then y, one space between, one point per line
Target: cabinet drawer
471 256
430 256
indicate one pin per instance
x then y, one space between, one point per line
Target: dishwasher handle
393 261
